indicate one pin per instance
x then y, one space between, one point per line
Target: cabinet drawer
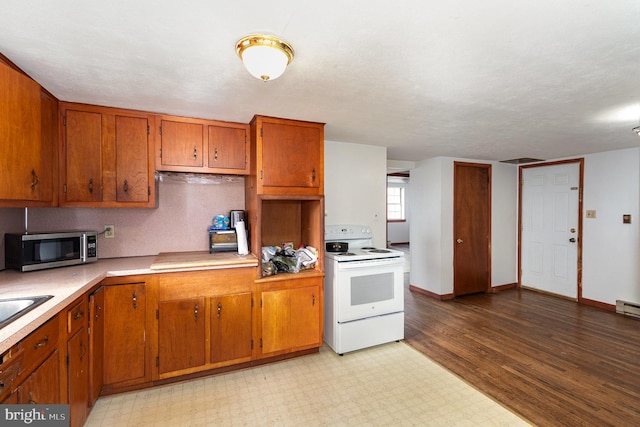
76 317
39 344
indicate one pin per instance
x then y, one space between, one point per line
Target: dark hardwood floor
550 360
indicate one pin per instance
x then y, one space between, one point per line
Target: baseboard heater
628 308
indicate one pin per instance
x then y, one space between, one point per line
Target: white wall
611 249
432 226
355 182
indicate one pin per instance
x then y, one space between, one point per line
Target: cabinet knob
91 185
195 153
134 300
195 312
125 186
219 309
215 154
78 314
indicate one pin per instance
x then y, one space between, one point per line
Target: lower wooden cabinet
78 376
42 386
291 315
231 327
181 334
124 348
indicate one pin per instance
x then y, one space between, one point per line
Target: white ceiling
492 79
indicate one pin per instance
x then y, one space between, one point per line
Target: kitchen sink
13 308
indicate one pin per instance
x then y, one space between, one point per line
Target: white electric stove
364 291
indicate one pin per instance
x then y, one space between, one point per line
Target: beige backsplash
178 224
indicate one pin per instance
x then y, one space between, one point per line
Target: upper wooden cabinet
201 146
106 157
27 140
288 156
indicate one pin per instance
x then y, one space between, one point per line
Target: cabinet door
181 332
291 155
276 313
291 319
42 386
20 135
132 159
45 180
227 148
230 327
124 344
96 340
305 316
181 143
82 156
78 376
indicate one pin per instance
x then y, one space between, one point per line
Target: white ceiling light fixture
265 57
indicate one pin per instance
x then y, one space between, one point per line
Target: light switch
591 213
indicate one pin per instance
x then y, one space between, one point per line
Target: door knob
459 241
572 240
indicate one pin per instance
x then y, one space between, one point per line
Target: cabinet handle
125 187
195 312
195 153
219 309
215 154
84 350
98 308
313 299
35 180
91 185
78 315
313 175
134 300
42 343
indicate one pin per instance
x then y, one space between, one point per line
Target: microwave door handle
83 247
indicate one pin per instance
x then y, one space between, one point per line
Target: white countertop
66 284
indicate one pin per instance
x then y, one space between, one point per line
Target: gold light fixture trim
265 56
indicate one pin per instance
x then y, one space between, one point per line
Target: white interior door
550 219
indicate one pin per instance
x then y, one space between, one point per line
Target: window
395 204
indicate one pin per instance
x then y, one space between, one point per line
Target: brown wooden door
291 155
124 346
20 135
96 341
227 148
83 159
132 159
230 327
305 316
276 312
181 143
78 376
181 334
43 385
49 170
471 228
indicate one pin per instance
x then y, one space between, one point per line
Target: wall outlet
109 232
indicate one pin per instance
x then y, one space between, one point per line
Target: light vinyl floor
387 385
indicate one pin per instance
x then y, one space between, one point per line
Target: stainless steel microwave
28 252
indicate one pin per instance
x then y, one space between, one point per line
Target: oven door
369 288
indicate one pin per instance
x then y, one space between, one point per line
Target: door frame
580 162
489 168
